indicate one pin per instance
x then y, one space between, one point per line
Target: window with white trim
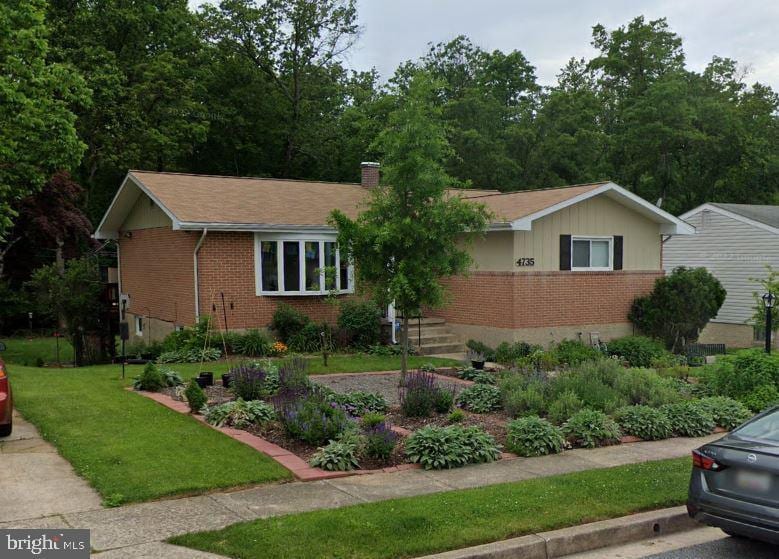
139 326
298 264
592 253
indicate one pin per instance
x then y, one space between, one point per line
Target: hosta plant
339 456
726 412
239 413
689 420
649 424
450 447
533 436
480 398
590 428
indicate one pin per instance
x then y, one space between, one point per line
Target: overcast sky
550 32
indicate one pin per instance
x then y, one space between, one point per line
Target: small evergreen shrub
450 447
689 420
288 321
239 413
649 424
380 441
564 406
573 352
480 398
361 320
726 412
638 351
590 428
195 396
337 456
151 379
533 436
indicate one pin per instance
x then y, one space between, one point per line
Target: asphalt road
725 548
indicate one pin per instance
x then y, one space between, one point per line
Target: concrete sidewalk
136 530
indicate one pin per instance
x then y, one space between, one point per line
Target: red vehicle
6 401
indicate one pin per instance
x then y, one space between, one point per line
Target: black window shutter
565 252
617 252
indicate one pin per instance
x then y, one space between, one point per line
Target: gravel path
384 384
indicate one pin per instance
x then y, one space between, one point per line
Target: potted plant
226 380
201 381
208 376
476 358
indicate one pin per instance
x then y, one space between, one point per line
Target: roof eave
738 217
254 227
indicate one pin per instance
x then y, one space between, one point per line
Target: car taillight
700 460
2 370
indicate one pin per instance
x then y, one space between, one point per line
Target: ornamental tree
679 307
413 233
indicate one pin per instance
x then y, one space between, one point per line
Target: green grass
27 351
433 523
128 447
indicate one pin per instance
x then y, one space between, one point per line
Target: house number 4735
526 262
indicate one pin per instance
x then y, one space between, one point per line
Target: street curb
577 539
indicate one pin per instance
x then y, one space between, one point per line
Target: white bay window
300 264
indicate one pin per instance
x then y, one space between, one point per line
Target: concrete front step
428 320
431 349
443 338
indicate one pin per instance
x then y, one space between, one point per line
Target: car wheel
5 430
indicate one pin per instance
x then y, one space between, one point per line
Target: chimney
370 174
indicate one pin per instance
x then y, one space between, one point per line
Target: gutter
197 286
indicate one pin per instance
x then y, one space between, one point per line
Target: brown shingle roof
237 200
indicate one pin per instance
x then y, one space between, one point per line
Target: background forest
92 88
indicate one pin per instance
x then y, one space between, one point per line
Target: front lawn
434 523
31 351
128 447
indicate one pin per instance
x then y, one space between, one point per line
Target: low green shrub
742 373
564 406
483 377
761 398
444 401
482 348
507 353
573 352
194 355
337 456
688 419
592 384
310 339
480 398
361 321
360 403
538 360
590 428
533 436
519 401
239 413
371 420
252 343
450 447
726 412
646 387
151 379
288 321
457 416
195 396
638 351
649 424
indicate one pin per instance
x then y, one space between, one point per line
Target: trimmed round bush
151 379
533 436
564 406
590 428
649 424
638 351
195 396
726 412
480 398
437 448
689 420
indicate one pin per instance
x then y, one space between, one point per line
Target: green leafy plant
171 377
239 413
288 321
450 447
481 348
564 406
762 398
457 416
739 375
428 368
151 379
371 420
313 418
361 321
507 353
480 398
252 343
360 403
573 352
337 456
646 387
195 396
726 412
533 436
483 377
638 351
646 423
420 394
468 373
519 401
444 400
590 428
380 441
688 419
310 338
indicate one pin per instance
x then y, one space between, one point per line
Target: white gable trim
123 202
670 225
731 215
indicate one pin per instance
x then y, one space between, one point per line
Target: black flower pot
226 380
478 365
202 382
209 378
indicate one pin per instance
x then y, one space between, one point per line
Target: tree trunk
404 342
60 259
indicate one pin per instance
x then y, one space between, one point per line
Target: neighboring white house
735 242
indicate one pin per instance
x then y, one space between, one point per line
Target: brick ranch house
556 263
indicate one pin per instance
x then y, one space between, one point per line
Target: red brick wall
226 264
544 299
156 267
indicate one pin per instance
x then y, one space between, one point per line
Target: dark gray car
735 480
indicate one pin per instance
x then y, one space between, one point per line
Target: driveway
36 482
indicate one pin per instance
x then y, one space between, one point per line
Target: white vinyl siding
732 251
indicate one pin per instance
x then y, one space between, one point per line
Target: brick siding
544 299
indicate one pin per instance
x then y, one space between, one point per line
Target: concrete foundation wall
732 335
544 336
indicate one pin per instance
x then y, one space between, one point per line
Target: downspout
197 286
